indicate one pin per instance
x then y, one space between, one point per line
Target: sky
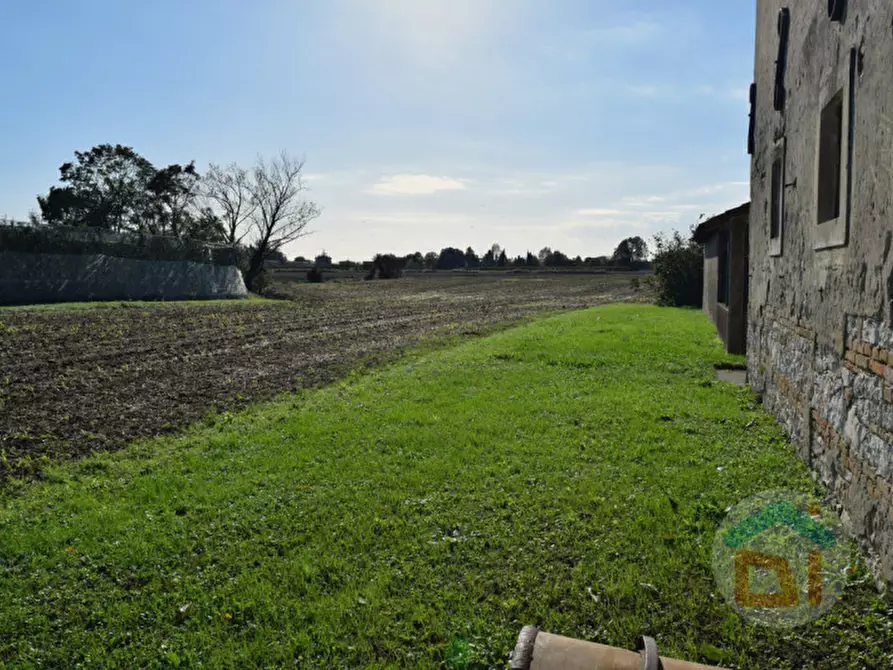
424 123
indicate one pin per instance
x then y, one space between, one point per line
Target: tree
451 259
228 191
116 189
281 215
106 187
386 266
531 260
489 260
630 251
519 261
172 200
431 259
502 261
203 225
556 259
678 270
471 258
543 254
415 261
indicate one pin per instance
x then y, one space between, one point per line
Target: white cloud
416 184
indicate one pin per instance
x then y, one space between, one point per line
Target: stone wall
820 326
29 278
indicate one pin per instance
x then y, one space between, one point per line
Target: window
776 199
830 150
834 157
777 190
781 64
724 271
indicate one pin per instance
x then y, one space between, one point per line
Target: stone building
725 241
820 327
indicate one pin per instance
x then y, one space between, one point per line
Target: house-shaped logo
779 557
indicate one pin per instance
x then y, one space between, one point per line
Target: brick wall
837 406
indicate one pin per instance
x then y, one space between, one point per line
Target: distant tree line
259 210
631 253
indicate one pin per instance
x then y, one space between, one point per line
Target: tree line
258 209
630 253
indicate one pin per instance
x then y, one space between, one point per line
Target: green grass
142 304
569 473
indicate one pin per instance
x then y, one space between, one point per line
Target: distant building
323 260
820 327
725 242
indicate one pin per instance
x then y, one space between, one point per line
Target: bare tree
229 193
281 214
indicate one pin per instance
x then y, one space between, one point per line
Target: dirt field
76 381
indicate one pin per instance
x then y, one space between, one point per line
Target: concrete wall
820 324
27 278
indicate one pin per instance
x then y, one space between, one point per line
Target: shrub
314 276
678 270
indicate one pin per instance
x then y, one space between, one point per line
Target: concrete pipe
543 651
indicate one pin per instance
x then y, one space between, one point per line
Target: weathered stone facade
820 326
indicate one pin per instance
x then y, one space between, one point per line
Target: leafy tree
431 259
678 270
172 194
415 260
503 260
519 261
556 259
630 251
105 187
471 258
532 261
544 254
451 259
203 225
488 260
386 266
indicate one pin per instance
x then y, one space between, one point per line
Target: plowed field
77 381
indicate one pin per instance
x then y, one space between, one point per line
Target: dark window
830 149
776 214
724 271
781 64
752 121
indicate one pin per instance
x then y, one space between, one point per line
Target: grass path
569 473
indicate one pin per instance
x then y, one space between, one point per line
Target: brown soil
77 381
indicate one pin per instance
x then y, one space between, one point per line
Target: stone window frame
835 232
779 153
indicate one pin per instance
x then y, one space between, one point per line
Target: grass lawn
569 473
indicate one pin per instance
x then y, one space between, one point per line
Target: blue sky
424 123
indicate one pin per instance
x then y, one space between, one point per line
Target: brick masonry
838 410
